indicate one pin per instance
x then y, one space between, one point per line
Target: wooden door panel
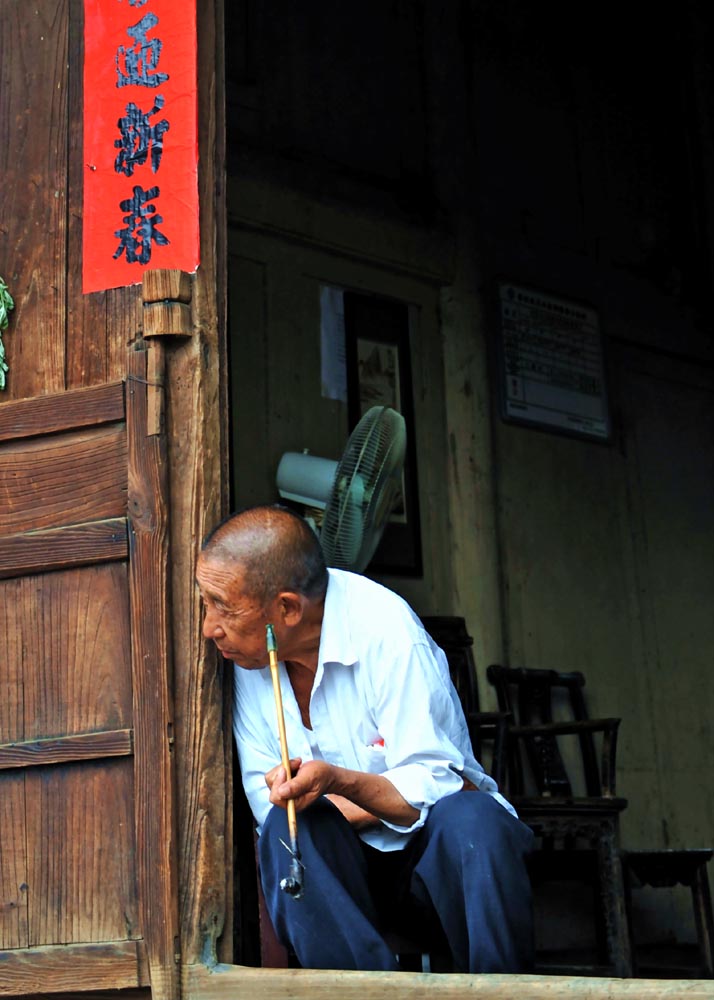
13 863
33 973
87 851
81 848
87 407
70 633
63 480
79 640
66 749
58 548
11 671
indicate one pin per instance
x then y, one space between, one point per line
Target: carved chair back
486 729
530 696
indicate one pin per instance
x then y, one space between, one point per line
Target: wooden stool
667 868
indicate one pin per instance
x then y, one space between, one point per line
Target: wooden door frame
197 432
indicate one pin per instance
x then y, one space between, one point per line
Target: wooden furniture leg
613 904
702 900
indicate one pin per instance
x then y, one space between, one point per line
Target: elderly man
396 817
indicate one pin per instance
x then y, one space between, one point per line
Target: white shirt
382 701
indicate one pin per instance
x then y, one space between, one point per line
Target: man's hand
355 815
272 774
309 781
362 798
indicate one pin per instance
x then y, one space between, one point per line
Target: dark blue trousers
465 868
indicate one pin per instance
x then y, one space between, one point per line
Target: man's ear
291 607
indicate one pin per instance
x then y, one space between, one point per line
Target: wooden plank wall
58 338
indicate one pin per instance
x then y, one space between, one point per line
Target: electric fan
357 493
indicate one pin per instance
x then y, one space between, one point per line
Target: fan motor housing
357 494
305 478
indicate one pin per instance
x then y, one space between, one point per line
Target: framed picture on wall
379 374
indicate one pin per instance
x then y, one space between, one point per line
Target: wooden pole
273 658
292 884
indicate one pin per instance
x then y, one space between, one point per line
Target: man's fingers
295 763
277 773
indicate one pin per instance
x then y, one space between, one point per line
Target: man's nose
211 626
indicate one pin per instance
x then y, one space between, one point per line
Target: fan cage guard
367 480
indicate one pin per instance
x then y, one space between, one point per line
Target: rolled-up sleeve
416 717
421 785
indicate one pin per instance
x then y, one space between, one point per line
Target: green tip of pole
270 639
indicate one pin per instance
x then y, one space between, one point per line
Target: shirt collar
336 644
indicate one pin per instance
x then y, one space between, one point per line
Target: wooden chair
578 833
488 730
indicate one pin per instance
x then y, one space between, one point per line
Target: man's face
235 621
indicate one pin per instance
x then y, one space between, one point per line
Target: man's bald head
275 549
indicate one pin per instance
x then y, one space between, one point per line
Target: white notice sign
551 362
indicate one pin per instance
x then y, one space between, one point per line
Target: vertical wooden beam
197 422
151 662
166 312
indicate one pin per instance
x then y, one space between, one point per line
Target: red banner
140 140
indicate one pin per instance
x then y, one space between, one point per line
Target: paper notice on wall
332 336
552 365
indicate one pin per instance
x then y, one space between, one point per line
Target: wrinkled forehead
218 576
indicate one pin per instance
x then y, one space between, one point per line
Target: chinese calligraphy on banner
140 140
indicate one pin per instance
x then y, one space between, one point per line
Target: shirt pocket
373 758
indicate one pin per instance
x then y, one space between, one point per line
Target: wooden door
87 851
